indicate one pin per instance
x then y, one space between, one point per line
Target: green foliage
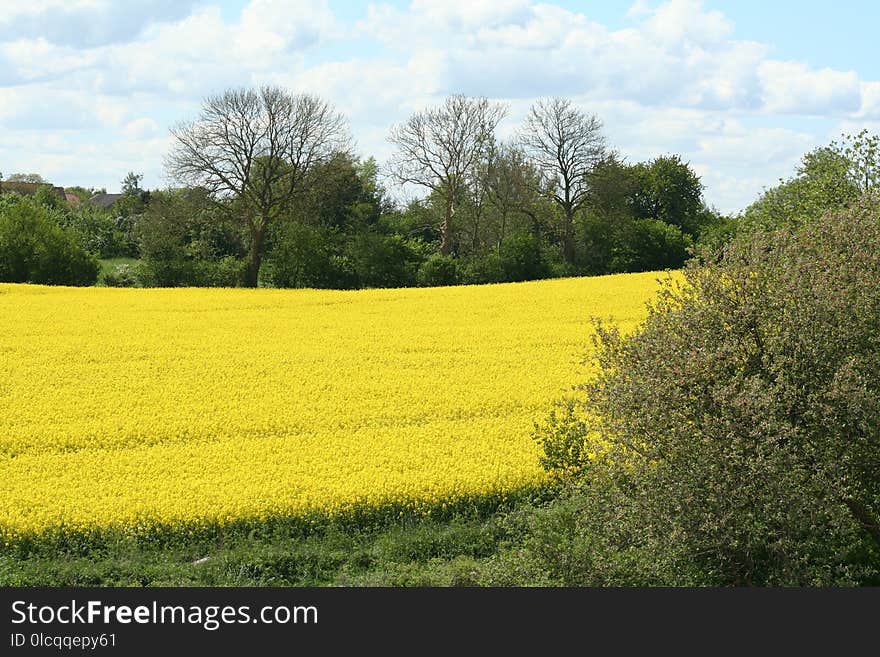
716 231
185 241
668 190
131 184
736 434
34 178
47 197
302 255
100 232
649 245
84 193
643 217
481 269
438 270
829 178
378 260
522 258
35 249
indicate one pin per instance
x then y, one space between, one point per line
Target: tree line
268 191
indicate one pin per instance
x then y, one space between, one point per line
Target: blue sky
89 88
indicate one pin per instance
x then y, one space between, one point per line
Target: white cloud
792 87
272 27
96 78
870 100
87 23
684 23
469 15
42 107
141 128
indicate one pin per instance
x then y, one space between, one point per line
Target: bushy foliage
734 439
522 258
438 270
378 260
649 245
35 249
184 241
100 232
301 255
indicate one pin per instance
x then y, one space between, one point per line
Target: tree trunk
568 238
255 257
503 227
445 238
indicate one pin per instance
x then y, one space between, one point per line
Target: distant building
105 200
72 199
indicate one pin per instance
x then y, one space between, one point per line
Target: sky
739 89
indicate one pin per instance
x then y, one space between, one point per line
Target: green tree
668 190
828 178
253 152
640 217
27 178
131 184
185 240
513 185
303 255
35 249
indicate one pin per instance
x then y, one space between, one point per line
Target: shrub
167 272
34 249
383 260
736 434
301 256
100 233
649 245
522 259
223 272
437 270
481 269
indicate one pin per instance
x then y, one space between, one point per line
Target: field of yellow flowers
127 409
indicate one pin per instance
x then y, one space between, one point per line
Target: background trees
268 193
34 248
256 149
441 148
565 143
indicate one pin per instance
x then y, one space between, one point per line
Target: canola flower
126 407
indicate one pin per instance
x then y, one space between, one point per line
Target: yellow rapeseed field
126 408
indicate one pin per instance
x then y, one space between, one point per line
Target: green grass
453 551
110 264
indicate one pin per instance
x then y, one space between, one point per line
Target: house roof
105 200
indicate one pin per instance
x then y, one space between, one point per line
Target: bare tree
255 148
565 143
440 148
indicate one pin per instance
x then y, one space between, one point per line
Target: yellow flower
131 408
